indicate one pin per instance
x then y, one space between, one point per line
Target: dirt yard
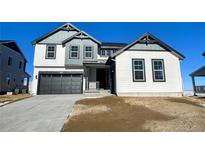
13 98
128 114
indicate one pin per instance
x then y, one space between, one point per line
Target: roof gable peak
149 38
81 35
66 27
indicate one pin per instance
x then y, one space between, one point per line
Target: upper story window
109 52
10 61
106 52
158 70
20 64
114 51
102 53
51 52
74 52
88 52
138 70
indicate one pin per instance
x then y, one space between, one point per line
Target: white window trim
70 52
50 45
92 51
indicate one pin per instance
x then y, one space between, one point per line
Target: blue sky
187 38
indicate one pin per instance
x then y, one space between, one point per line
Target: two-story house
13 75
70 61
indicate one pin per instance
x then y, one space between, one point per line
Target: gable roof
113 44
199 72
12 45
81 35
152 39
66 27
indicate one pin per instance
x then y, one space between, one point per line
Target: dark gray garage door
60 84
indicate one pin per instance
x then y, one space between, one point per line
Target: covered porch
200 73
97 78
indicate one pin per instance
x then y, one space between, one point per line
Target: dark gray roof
156 40
66 27
4 41
199 72
113 44
12 45
27 74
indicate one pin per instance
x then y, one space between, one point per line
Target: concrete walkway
43 113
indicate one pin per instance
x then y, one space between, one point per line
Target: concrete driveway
42 113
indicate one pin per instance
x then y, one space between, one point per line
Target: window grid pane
88 54
74 48
138 70
74 54
88 48
88 51
51 49
158 70
159 75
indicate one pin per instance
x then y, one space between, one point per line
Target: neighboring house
69 61
198 89
12 68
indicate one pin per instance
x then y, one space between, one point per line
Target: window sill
49 58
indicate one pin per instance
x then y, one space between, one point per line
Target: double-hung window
74 52
103 53
88 52
109 52
51 52
138 70
158 70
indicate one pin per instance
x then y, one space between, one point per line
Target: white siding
40 54
37 70
124 76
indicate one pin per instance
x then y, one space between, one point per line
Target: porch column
194 85
27 84
109 78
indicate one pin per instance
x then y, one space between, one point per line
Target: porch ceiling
97 65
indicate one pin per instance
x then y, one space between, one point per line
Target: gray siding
81 43
58 37
0 66
13 71
146 47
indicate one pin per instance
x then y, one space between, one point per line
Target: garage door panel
60 84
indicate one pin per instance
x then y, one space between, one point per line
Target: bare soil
13 98
128 114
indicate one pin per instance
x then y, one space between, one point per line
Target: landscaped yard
13 98
137 114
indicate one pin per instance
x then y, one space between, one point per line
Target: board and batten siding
58 37
146 47
124 75
81 43
0 66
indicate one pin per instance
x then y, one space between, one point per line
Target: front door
101 76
